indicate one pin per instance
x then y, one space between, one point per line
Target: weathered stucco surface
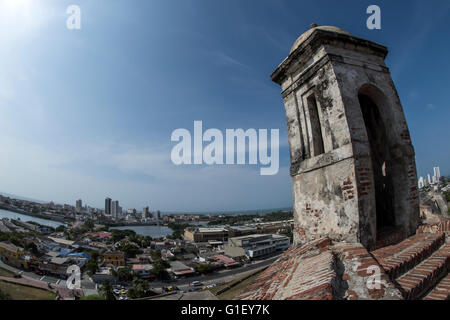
354 182
335 158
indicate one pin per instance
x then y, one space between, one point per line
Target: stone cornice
321 37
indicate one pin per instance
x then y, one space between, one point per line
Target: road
223 276
220 277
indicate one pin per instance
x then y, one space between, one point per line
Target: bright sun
16 5
18 16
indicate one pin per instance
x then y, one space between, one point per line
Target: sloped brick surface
398 259
358 280
420 279
441 291
412 269
301 273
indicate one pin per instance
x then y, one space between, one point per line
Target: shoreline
39 216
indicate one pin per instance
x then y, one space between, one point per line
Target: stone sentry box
352 162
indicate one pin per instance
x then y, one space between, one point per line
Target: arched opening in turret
382 166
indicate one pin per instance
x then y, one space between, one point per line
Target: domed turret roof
314 27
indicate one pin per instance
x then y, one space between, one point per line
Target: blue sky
89 113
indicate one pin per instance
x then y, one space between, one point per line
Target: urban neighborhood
199 253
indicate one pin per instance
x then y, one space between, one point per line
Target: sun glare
19 16
14 6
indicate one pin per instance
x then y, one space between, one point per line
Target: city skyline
89 113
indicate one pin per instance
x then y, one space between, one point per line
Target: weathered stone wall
357 73
324 188
325 203
333 181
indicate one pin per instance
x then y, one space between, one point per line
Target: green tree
89 224
60 228
139 289
117 235
106 291
156 255
31 246
124 274
129 248
159 269
204 268
91 266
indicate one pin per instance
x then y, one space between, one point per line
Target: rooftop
241 228
178 266
59 260
10 247
139 267
252 236
62 241
207 230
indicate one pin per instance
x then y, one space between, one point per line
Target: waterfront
25 218
152 231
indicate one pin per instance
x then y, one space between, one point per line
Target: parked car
196 284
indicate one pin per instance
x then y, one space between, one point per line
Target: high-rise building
145 213
108 206
79 205
116 210
421 183
437 173
429 179
435 180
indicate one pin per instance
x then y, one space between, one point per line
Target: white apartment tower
421 183
437 173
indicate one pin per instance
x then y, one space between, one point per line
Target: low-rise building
144 258
257 245
103 274
56 266
239 231
206 234
99 236
13 255
227 262
179 269
61 241
115 258
143 270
